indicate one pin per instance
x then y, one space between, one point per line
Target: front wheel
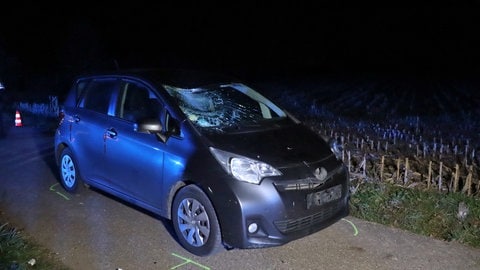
69 174
195 222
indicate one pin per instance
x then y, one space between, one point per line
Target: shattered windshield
221 106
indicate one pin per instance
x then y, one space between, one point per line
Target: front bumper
277 212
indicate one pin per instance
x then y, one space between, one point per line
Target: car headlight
243 168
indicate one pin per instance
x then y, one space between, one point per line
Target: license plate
324 196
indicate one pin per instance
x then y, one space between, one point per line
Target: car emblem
320 174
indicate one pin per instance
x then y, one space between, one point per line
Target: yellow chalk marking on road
187 261
353 225
58 192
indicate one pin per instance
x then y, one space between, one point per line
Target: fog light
252 228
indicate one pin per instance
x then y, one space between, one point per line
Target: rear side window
97 95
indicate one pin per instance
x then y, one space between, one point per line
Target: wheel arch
179 185
171 196
58 152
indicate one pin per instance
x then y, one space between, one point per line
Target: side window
137 103
97 95
172 125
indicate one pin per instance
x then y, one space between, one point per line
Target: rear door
91 120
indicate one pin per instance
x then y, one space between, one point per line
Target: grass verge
18 252
449 217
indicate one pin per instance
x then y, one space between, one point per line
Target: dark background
43 45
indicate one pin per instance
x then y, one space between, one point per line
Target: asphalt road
94 231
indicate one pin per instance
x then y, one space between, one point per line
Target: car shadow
166 222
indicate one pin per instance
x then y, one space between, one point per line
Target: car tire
195 222
69 174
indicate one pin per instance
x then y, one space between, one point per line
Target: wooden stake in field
364 167
429 174
455 179
382 164
468 182
349 162
440 177
398 169
405 176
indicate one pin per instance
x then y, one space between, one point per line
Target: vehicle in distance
227 166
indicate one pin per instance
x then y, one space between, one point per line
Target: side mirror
153 126
149 125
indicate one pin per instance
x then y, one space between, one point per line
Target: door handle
111 132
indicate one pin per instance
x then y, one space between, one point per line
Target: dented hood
279 146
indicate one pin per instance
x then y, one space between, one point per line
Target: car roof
182 78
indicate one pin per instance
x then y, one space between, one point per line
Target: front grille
307 182
292 225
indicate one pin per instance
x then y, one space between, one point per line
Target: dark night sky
257 38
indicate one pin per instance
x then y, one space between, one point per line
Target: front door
134 160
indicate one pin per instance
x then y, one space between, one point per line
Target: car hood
280 147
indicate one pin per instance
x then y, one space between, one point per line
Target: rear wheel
69 175
195 222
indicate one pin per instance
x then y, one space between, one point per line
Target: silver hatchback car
228 166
